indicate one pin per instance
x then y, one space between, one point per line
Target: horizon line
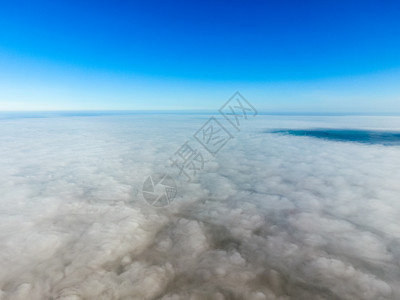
195 111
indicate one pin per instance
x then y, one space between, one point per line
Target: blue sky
331 56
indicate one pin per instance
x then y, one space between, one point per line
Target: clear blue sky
283 55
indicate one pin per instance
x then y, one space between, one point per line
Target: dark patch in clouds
386 138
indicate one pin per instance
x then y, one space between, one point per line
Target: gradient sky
332 56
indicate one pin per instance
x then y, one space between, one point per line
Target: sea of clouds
272 216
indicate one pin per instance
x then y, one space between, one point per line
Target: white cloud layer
272 217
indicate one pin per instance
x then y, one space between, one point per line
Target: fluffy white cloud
271 217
